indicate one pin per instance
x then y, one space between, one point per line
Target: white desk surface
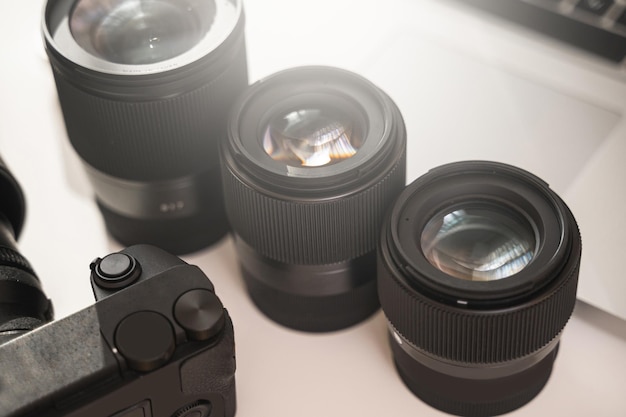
280 372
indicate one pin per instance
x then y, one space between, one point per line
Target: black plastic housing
23 304
148 134
90 363
306 236
477 348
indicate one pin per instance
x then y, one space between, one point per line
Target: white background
457 81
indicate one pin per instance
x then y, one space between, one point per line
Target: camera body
157 343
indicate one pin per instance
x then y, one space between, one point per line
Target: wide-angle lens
477 275
312 159
145 87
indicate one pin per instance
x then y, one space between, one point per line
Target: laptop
517 81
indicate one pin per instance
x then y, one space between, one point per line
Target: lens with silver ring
312 159
145 87
477 273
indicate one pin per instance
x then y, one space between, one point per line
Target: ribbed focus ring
9 257
472 336
143 139
319 232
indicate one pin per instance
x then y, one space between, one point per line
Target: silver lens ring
135 37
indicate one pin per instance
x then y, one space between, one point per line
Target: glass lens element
479 243
136 32
311 138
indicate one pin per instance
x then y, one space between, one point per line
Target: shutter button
114 271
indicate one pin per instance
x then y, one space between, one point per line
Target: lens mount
481 218
303 221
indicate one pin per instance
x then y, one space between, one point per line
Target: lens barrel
312 159
477 274
23 304
145 89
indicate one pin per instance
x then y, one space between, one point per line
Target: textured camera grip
213 370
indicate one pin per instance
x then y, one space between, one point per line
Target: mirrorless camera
157 343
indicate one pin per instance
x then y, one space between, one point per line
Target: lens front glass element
312 137
479 243
137 32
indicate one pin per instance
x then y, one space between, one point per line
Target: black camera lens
312 159
145 88
23 304
477 275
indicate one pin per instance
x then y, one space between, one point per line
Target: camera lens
145 87
312 158
23 305
477 275
140 32
478 243
309 137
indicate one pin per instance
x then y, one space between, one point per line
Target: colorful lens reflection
311 138
478 244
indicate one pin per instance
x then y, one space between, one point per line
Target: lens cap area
137 37
140 32
312 129
477 242
312 137
480 233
